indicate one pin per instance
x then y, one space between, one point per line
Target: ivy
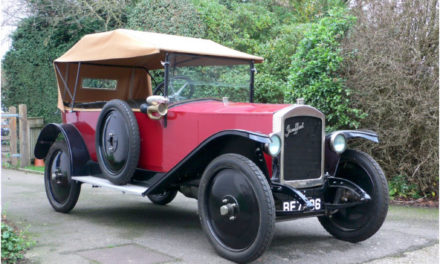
13 244
314 71
266 28
178 17
29 76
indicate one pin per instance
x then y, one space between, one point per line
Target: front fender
349 134
332 158
246 143
79 154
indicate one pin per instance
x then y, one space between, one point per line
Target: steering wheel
185 91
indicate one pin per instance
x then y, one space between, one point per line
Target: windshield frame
167 65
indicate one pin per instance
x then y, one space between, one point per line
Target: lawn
35 168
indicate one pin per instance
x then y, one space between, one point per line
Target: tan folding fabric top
137 48
123 57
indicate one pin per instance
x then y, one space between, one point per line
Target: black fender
79 155
246 143
332 158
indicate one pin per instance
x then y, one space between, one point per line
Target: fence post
35 125
13 136
23 136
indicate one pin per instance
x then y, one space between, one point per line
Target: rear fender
79 155
332 158
248 144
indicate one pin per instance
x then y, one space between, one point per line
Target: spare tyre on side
117 142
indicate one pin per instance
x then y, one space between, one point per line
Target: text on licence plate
296 206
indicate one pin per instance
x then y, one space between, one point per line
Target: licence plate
294 205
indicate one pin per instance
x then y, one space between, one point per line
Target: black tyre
359 222
236 208
117 142
163 198
61 190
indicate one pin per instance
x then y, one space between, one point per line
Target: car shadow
139 215
281 240
146 216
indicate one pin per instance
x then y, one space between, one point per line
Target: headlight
338 143
274 147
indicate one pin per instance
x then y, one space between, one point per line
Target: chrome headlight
274 147
338 143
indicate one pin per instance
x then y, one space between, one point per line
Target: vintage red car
154 114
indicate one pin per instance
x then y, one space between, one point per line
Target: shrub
166 16
13 244
314 73
399 187
267 28
392 69
28 73
271 80
271 29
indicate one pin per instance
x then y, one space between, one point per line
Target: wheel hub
58 176
112 142
229 208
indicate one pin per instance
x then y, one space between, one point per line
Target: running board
100 182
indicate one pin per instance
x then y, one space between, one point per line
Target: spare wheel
117 142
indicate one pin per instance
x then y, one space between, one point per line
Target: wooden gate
24 140
9 136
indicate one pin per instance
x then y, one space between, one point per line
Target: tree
52 28
391 65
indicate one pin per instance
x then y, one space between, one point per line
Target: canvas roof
145 49
124 56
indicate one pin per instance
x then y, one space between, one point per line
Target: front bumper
334 194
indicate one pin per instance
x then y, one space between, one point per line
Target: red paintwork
188 125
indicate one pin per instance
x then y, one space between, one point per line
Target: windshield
196 77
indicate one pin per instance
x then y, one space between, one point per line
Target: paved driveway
110 227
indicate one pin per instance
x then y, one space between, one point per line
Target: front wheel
236 208
61 190
359 222
163 198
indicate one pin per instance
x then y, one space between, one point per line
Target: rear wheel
117 142
359 222
236 208
163 198
61 190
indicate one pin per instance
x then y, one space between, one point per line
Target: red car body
188 125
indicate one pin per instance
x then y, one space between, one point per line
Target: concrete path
110 227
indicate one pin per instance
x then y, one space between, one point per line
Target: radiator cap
300 101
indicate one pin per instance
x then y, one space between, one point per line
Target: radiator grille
302 148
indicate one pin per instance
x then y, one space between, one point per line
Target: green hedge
314 72
178 17
29 76
265 28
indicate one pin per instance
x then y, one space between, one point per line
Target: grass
413 213
35 168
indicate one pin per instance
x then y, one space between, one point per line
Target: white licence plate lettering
290 206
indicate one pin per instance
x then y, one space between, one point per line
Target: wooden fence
19 146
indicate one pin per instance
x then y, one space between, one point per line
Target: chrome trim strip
261 139
278 127
95 181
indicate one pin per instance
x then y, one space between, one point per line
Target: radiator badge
295 129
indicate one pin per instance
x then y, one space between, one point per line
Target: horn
157 108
